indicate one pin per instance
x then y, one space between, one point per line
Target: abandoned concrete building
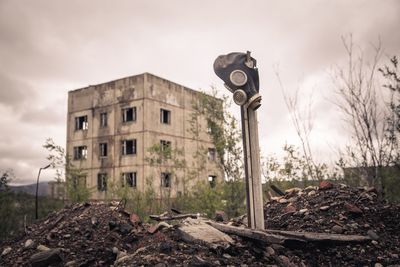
115 128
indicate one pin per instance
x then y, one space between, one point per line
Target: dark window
165 149
80 152
103 119
128 147
81 123
212 179
212 154
165 179
165 145
128 114
165 116
103 150
128 179
102 181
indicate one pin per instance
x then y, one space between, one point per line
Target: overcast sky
50 47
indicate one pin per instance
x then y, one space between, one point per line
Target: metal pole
254 199
36 199
240 74
37 191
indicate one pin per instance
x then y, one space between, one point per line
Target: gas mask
240 75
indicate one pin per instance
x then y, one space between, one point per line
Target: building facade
117 131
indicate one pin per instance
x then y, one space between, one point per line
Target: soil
103 234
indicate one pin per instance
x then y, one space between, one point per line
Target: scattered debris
315 226
339 209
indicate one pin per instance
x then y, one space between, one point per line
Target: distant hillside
31 189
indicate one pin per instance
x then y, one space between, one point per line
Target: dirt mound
339 209
96 234
101 234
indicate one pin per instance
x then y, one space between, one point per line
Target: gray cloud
14 92
50 47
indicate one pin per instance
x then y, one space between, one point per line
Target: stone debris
100 234
339 209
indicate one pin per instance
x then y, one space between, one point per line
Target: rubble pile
339 209
104 234
100 234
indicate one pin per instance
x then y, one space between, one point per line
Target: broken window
165 116
102 181
128 147
80 152
128 179
212 179
165 148
165 145
165 179
212 154
129 114
81 123
103 119
103 150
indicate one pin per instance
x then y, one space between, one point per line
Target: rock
312 193
373 235
283 200
125 228
227 256
6 251
310 187
378 265
352 208
284 261
134 218
374 242
197 231
29 243
67 236
278 247
94 221
270 251
196 261
42 248
353 225
115 250
325 185
220 216
46 258
121 254
289 209
323 208
71 264
337 229
293 190
302 211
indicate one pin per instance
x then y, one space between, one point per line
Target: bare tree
362 104
302 120
391 73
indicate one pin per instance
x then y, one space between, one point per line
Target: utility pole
37 191
240 75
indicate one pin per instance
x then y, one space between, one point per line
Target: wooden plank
288 237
